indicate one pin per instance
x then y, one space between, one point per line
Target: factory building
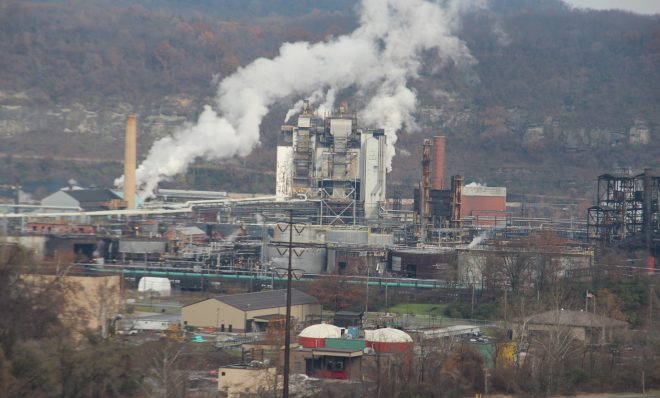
486 205
583 326
488 265
85 199
426 263
331 159
250 311
441 205
91 302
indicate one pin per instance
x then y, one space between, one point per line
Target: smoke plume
377 60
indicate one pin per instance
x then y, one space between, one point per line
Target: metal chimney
438 163
425 215
130 161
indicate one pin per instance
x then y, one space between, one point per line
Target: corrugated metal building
249 311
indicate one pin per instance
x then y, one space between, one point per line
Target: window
411 271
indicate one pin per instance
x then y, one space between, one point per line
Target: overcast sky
638 6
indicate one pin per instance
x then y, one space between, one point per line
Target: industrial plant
330 216
331 182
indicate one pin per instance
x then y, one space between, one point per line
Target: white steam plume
377 60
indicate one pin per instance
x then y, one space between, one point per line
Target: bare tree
168 376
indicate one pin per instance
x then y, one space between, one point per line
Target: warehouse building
85 199
250 312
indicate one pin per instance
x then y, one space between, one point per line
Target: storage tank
311 260
347 236
388 340
300 234
314 336
156 286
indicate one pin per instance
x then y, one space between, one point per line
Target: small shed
345 319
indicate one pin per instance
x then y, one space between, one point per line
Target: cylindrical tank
388 340
314 336
351 236
310 260
300 234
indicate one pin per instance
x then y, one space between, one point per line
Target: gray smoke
378 60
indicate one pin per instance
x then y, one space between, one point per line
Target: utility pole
651 297
287 332
472 306
505 305
386 303
289 276
366 305
485 381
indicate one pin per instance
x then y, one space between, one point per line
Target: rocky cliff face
20 113
516 125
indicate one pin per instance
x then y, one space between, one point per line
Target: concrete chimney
438 162
130 161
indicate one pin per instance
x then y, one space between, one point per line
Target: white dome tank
314 336
387 335
388 340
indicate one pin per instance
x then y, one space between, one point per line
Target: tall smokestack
130 161
438 163
425 192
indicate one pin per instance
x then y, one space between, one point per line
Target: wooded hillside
556 97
